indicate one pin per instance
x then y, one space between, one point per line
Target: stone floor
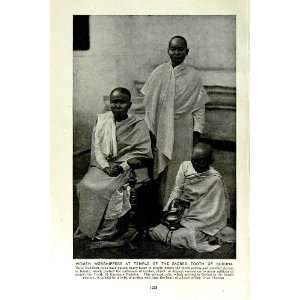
144 248
148 249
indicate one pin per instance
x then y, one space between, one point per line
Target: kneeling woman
196 213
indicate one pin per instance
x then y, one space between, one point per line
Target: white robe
174 100
207 215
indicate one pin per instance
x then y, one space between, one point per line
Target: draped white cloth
102 197
173 96
207 215
105 139
171 93
206 193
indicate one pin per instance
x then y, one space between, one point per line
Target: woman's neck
121 118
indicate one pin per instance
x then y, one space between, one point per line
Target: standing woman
175 113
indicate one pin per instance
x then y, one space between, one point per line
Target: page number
153 287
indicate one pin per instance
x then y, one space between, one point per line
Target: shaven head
120 103
177 50
120 90
178 37
202 157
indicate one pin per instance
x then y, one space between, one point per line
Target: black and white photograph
128 166
154 137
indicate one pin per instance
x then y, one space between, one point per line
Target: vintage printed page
111 178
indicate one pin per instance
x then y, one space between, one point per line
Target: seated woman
119 142
196 212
